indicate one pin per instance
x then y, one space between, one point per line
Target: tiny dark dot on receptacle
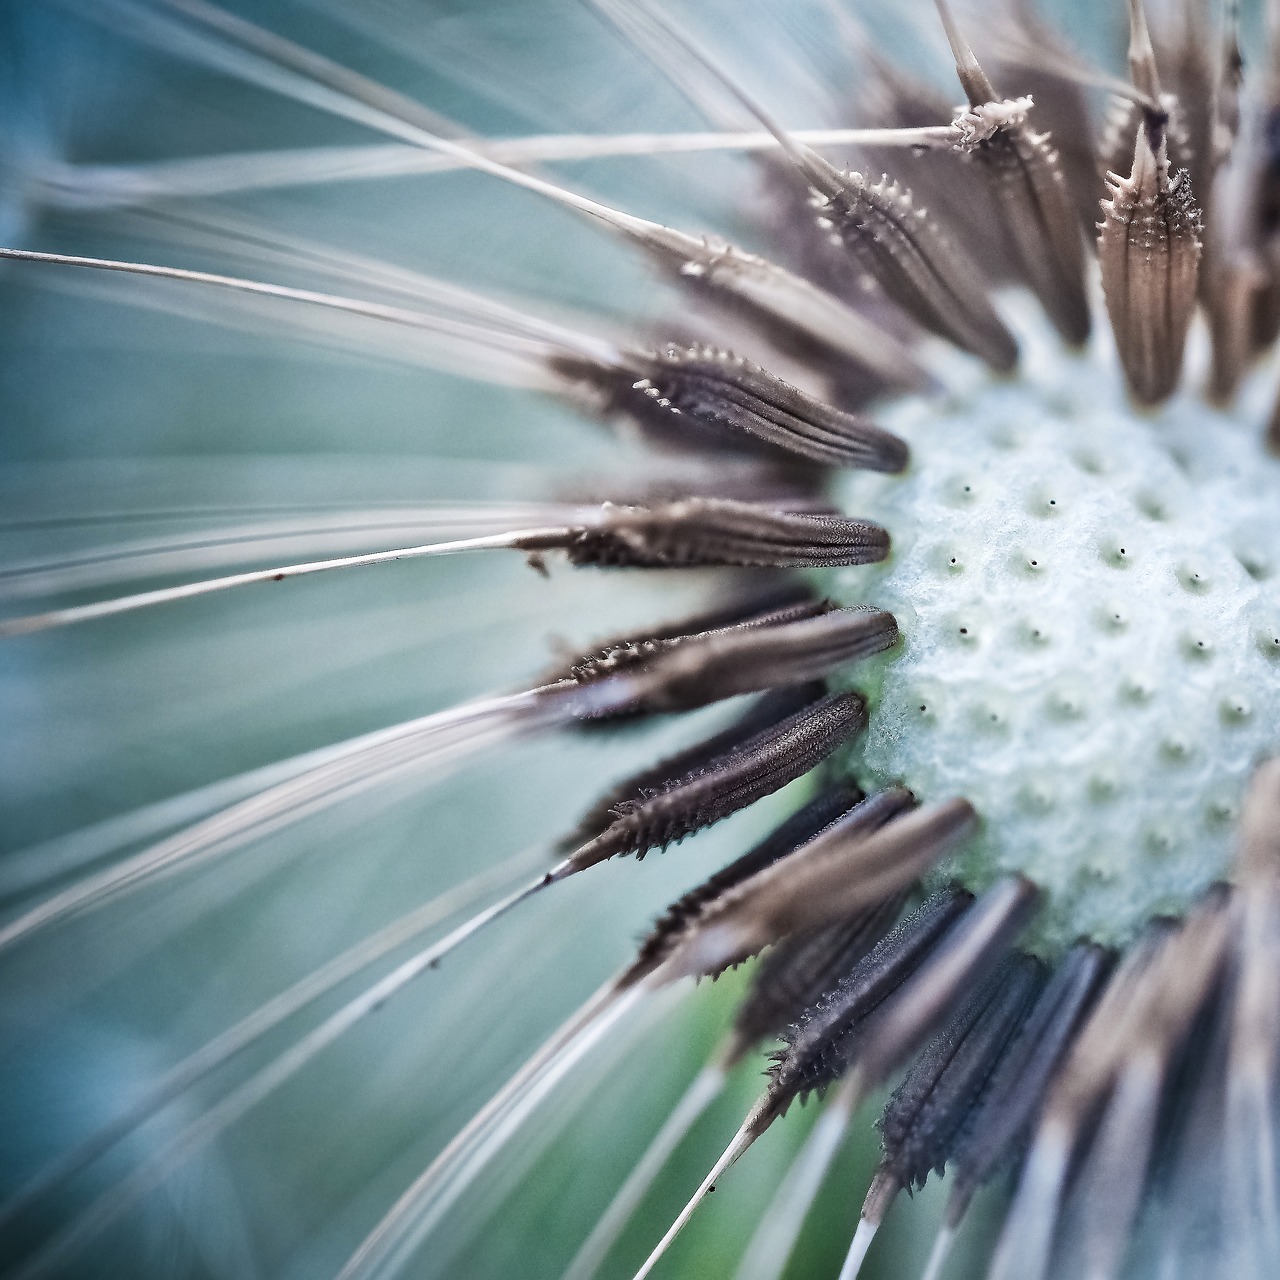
964 631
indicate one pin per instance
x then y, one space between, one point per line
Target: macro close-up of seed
640 638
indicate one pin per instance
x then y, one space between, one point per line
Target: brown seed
714 387
726 783
1149 249
716 531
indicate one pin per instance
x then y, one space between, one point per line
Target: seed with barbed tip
716 531
793 313
746 658
834 875
932 1105
903 1015
683 915
894 242
809 1060
767 607
863 820
714 386
970 950
903 250
766 711
795 973
940 181
1149 251
726 783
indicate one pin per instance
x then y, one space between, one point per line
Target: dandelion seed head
1086 601
1041 589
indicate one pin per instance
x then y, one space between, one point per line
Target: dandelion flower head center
1090 602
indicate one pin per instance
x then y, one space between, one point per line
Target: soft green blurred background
125 414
